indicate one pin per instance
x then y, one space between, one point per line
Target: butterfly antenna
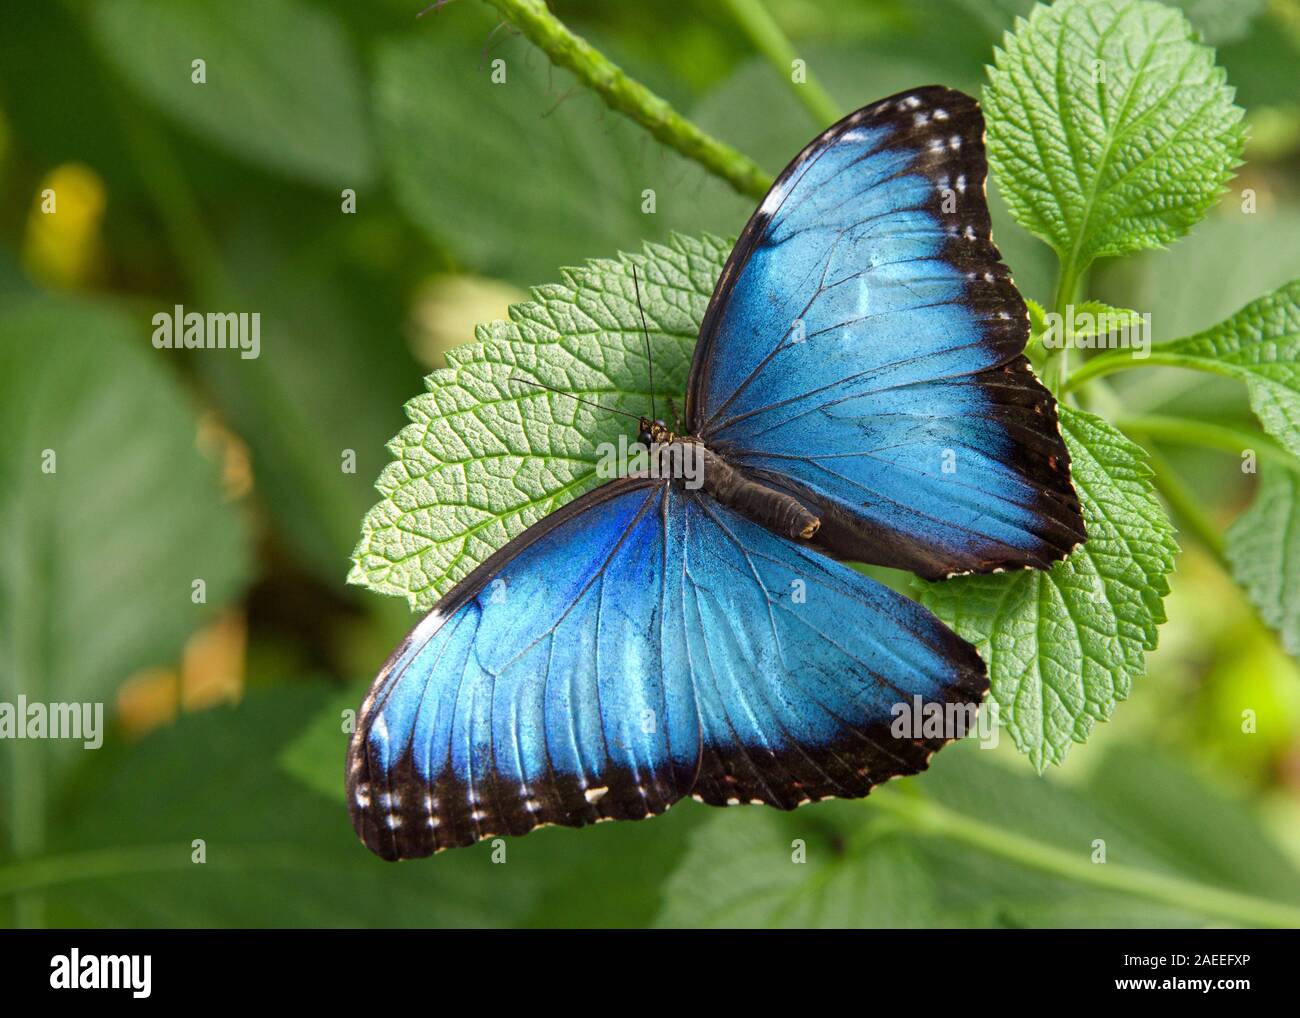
654 416
598 406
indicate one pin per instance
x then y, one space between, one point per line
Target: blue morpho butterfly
862 335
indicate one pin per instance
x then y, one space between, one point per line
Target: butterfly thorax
690 463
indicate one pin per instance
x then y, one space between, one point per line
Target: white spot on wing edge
774 198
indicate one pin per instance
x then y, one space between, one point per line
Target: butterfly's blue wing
639 645
863 352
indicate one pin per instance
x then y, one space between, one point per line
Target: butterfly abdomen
775 510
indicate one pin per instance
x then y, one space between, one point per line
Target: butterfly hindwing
801 664
639 645
863 352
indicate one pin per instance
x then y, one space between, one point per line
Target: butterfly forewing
863 351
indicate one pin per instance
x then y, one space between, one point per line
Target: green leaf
315 432
541 175
1166 805
109 517
867 864
1084 321
1260 344
1063 647
109 520
313 755
1037 317
1263 547
1189 285
740 871
1210 277
282 89
1093 318
485 457
1090 318
275 854
1034 348
1109 128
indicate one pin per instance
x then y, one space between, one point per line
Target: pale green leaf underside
1109 128
1261 345
1264 550
1063 647
484 458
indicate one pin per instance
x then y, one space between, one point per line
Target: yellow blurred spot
212 668
211 672
228 449
62 246
148 700
446 309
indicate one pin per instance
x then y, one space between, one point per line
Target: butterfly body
773 509
858 391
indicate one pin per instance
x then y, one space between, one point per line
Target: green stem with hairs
758 24
631 98
927 817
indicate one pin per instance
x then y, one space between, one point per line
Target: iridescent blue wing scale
799 663
863 352
641 644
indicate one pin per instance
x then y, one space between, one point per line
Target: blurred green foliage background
224 715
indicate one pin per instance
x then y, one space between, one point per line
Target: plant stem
31 875
1056 368
928 817
757 22
1186 506
1122 360
629 97
28 875
1187 431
